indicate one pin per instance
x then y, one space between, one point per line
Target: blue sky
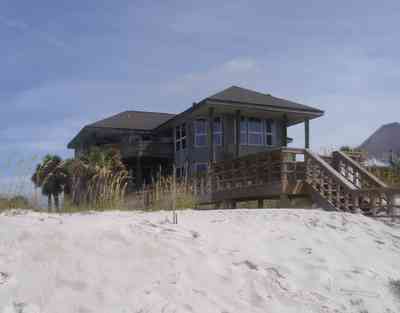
67 63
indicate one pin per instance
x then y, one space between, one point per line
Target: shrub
15 202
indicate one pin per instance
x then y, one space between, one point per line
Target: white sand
212 261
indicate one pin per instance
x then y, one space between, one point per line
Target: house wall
188 157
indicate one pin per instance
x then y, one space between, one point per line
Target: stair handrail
380 198
345 191
368 175
332 172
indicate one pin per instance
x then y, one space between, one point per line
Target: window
200 132
201 167
243 131
177 138
181 171
217 131
183 136
255 131
180 137
268 133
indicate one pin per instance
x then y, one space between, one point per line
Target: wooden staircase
337 182
342 184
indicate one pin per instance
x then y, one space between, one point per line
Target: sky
64 64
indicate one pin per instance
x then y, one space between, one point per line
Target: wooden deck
336 183
258 176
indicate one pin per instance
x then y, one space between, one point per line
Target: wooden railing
374 201
354 172
277 165
345 195
349 188
330 185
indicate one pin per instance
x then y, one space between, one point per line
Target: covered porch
232 127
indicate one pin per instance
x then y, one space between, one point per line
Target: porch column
139 174
307 133
211 134
237 146
284 131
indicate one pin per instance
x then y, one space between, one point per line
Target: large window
200 132
180 137
256 132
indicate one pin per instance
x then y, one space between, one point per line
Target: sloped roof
242 96
133 120
128 120
235 94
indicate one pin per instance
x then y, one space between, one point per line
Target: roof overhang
292 116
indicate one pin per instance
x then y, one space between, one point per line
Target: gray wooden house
239 137
232 123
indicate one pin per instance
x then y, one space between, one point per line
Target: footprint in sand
21 307
194 234
4 278
306 250
250 265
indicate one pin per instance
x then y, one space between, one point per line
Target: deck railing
344 194
326 181
354 172
281 165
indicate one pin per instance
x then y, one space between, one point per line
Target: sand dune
212 261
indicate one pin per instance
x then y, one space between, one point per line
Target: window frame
200 134
220 132
260 132
269 133
180 140
264 132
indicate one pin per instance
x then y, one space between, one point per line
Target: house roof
135 120
235 94
128 120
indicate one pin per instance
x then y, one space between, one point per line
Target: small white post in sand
174 214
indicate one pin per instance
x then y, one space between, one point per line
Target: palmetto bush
97 180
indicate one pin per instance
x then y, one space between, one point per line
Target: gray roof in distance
236 94
133 120
383 141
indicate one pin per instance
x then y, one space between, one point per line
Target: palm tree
51 176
